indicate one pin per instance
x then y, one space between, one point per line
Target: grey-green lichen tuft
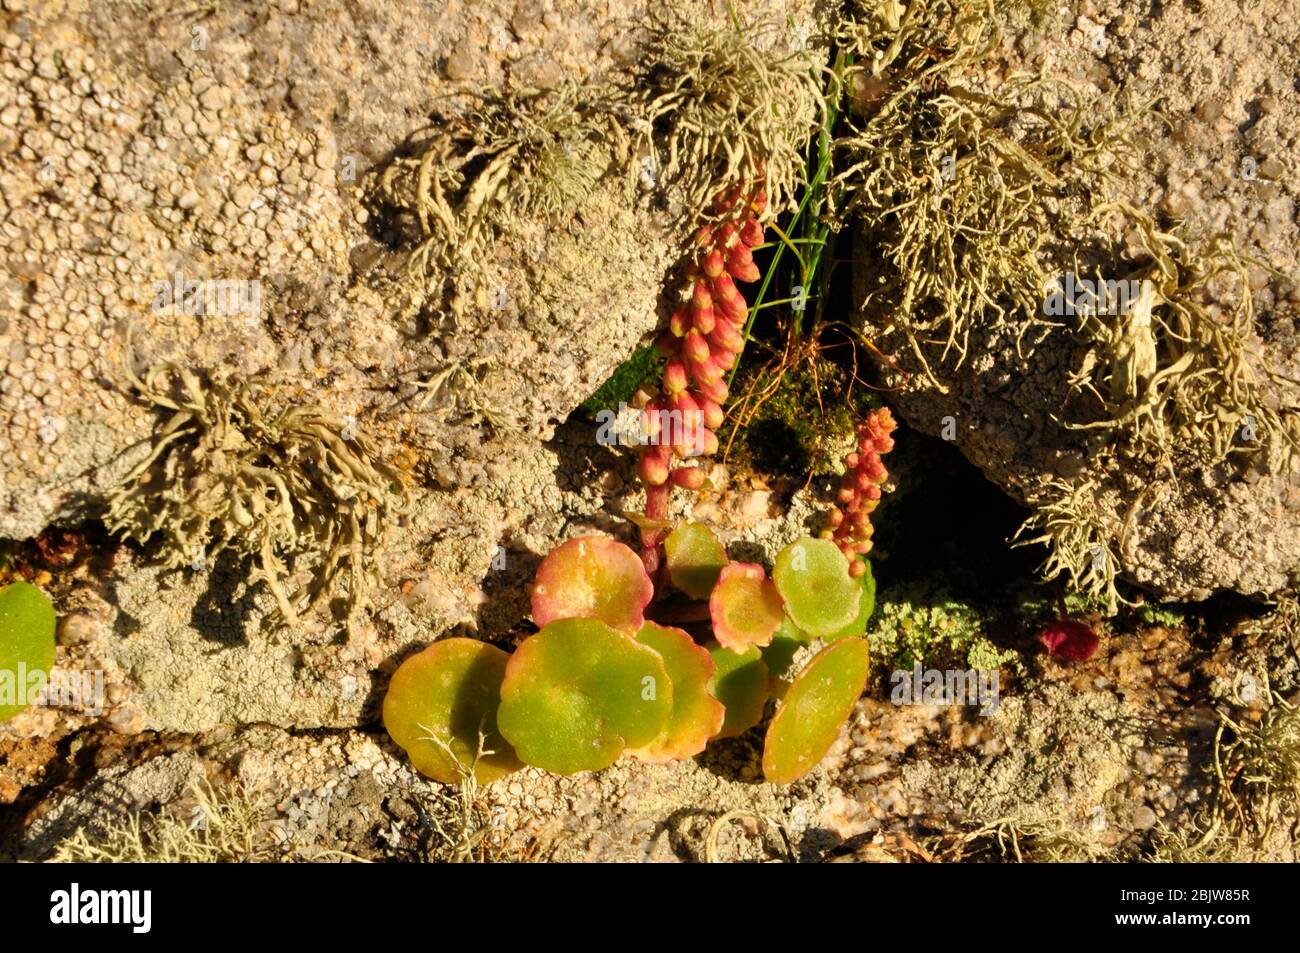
235 470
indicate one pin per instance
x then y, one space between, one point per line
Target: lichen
954 186
292 488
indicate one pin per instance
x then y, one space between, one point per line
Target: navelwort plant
236 468
602 678
27 625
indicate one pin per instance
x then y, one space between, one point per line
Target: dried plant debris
1175 366
955 188
726 106
294 489
1068 521
1254 813
501 160
225 826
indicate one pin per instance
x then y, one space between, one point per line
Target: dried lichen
221 827
294 489
1070 524
1173 372
502 160
955 187
725 106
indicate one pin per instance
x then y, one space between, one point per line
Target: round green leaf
813 578
740 683
814 709
745 607
578 693
437 703
696 715
695 559
592 577
866 605
26 646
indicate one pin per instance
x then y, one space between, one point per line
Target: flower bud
688 478
713 263
703 319
695 347
652 469
711 414
675 381
715 391
740 263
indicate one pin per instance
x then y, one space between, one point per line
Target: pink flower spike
1070 640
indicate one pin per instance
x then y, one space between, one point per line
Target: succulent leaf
438 702
695 559
745 607
592 577
740 683
696 715
815 707
27 625
578 693
813 578
866 605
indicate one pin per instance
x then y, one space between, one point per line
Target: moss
794 422
915 624
642 368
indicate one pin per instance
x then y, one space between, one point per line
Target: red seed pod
851 460
740 263
724 235
704 237
752 232
846 495
675 381
759 202
835 517
703 319
713 263
695 346
679 323
711 414
688 478
857 568
652 469
724 358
